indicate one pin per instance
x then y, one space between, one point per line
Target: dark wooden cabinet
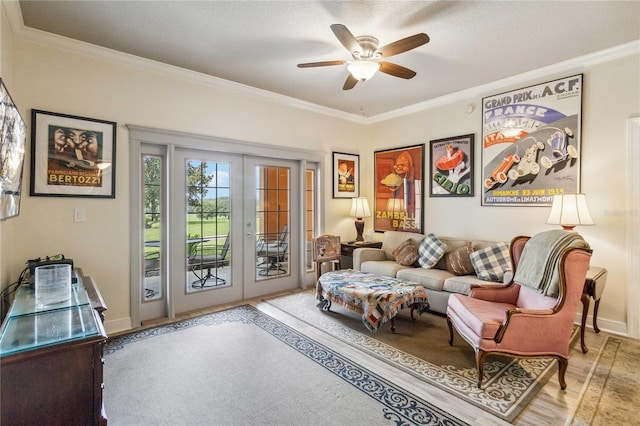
52 360
346 251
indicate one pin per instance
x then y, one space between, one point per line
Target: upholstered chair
518 320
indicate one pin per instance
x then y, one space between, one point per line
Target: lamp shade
363 70
360 207
569 210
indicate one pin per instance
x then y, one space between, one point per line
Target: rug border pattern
500 394
399 406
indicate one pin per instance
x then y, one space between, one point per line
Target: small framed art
72 156
346 175
451 167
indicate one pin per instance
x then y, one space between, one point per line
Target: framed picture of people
398 204
72 156
451 167
531 143
346 175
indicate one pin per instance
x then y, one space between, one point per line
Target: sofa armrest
496 293
365 254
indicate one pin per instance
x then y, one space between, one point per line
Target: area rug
241 366
421 348
611 394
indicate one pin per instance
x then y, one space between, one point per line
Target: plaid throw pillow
492 262
431 250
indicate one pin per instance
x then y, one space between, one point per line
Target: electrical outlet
79 215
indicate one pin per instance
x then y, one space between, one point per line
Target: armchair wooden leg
480 357
563 363
450 331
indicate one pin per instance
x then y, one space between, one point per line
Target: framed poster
12 145
451 167
398 187
72 156
346 175
531 143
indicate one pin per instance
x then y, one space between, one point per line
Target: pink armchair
518 321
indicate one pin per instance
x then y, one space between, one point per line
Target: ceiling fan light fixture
363 70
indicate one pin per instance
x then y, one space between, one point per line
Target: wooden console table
51 359
593 288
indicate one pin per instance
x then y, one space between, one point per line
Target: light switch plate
79 215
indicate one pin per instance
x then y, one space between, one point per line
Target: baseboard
115 326
613 327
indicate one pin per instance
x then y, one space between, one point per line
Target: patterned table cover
377 298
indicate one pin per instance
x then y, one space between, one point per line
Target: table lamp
359 209
569 210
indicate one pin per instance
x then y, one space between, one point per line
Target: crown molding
575 65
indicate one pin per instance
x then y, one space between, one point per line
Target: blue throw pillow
492 262
431 251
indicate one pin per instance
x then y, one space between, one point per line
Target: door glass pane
310 220
152 171
272 221
208 218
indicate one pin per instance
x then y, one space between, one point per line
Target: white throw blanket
538 267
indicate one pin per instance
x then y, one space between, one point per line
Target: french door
218 228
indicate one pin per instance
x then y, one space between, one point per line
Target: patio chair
208 255
273 253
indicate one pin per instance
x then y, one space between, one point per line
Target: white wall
90 85
68 82
611 95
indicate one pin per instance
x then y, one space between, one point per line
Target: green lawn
195 229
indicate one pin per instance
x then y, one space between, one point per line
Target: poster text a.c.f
531 143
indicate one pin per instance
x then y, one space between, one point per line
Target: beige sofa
438 281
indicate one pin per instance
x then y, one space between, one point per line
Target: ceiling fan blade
320 64
350 82
396 70
346 38
404 45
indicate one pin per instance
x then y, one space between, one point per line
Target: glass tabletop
36 330
25 301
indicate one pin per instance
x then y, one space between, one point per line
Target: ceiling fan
365 52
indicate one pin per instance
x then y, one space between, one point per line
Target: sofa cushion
406 253
492 262
388 268
432 279
431 251
458 261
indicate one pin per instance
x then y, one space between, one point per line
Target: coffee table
377 298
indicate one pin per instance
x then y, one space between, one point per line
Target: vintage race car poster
531 143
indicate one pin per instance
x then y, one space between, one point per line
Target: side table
347 248
593 288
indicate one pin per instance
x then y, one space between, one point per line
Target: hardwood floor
552 406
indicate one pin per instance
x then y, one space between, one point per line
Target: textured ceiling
259 43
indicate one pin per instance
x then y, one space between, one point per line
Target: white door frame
633 228
173 139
